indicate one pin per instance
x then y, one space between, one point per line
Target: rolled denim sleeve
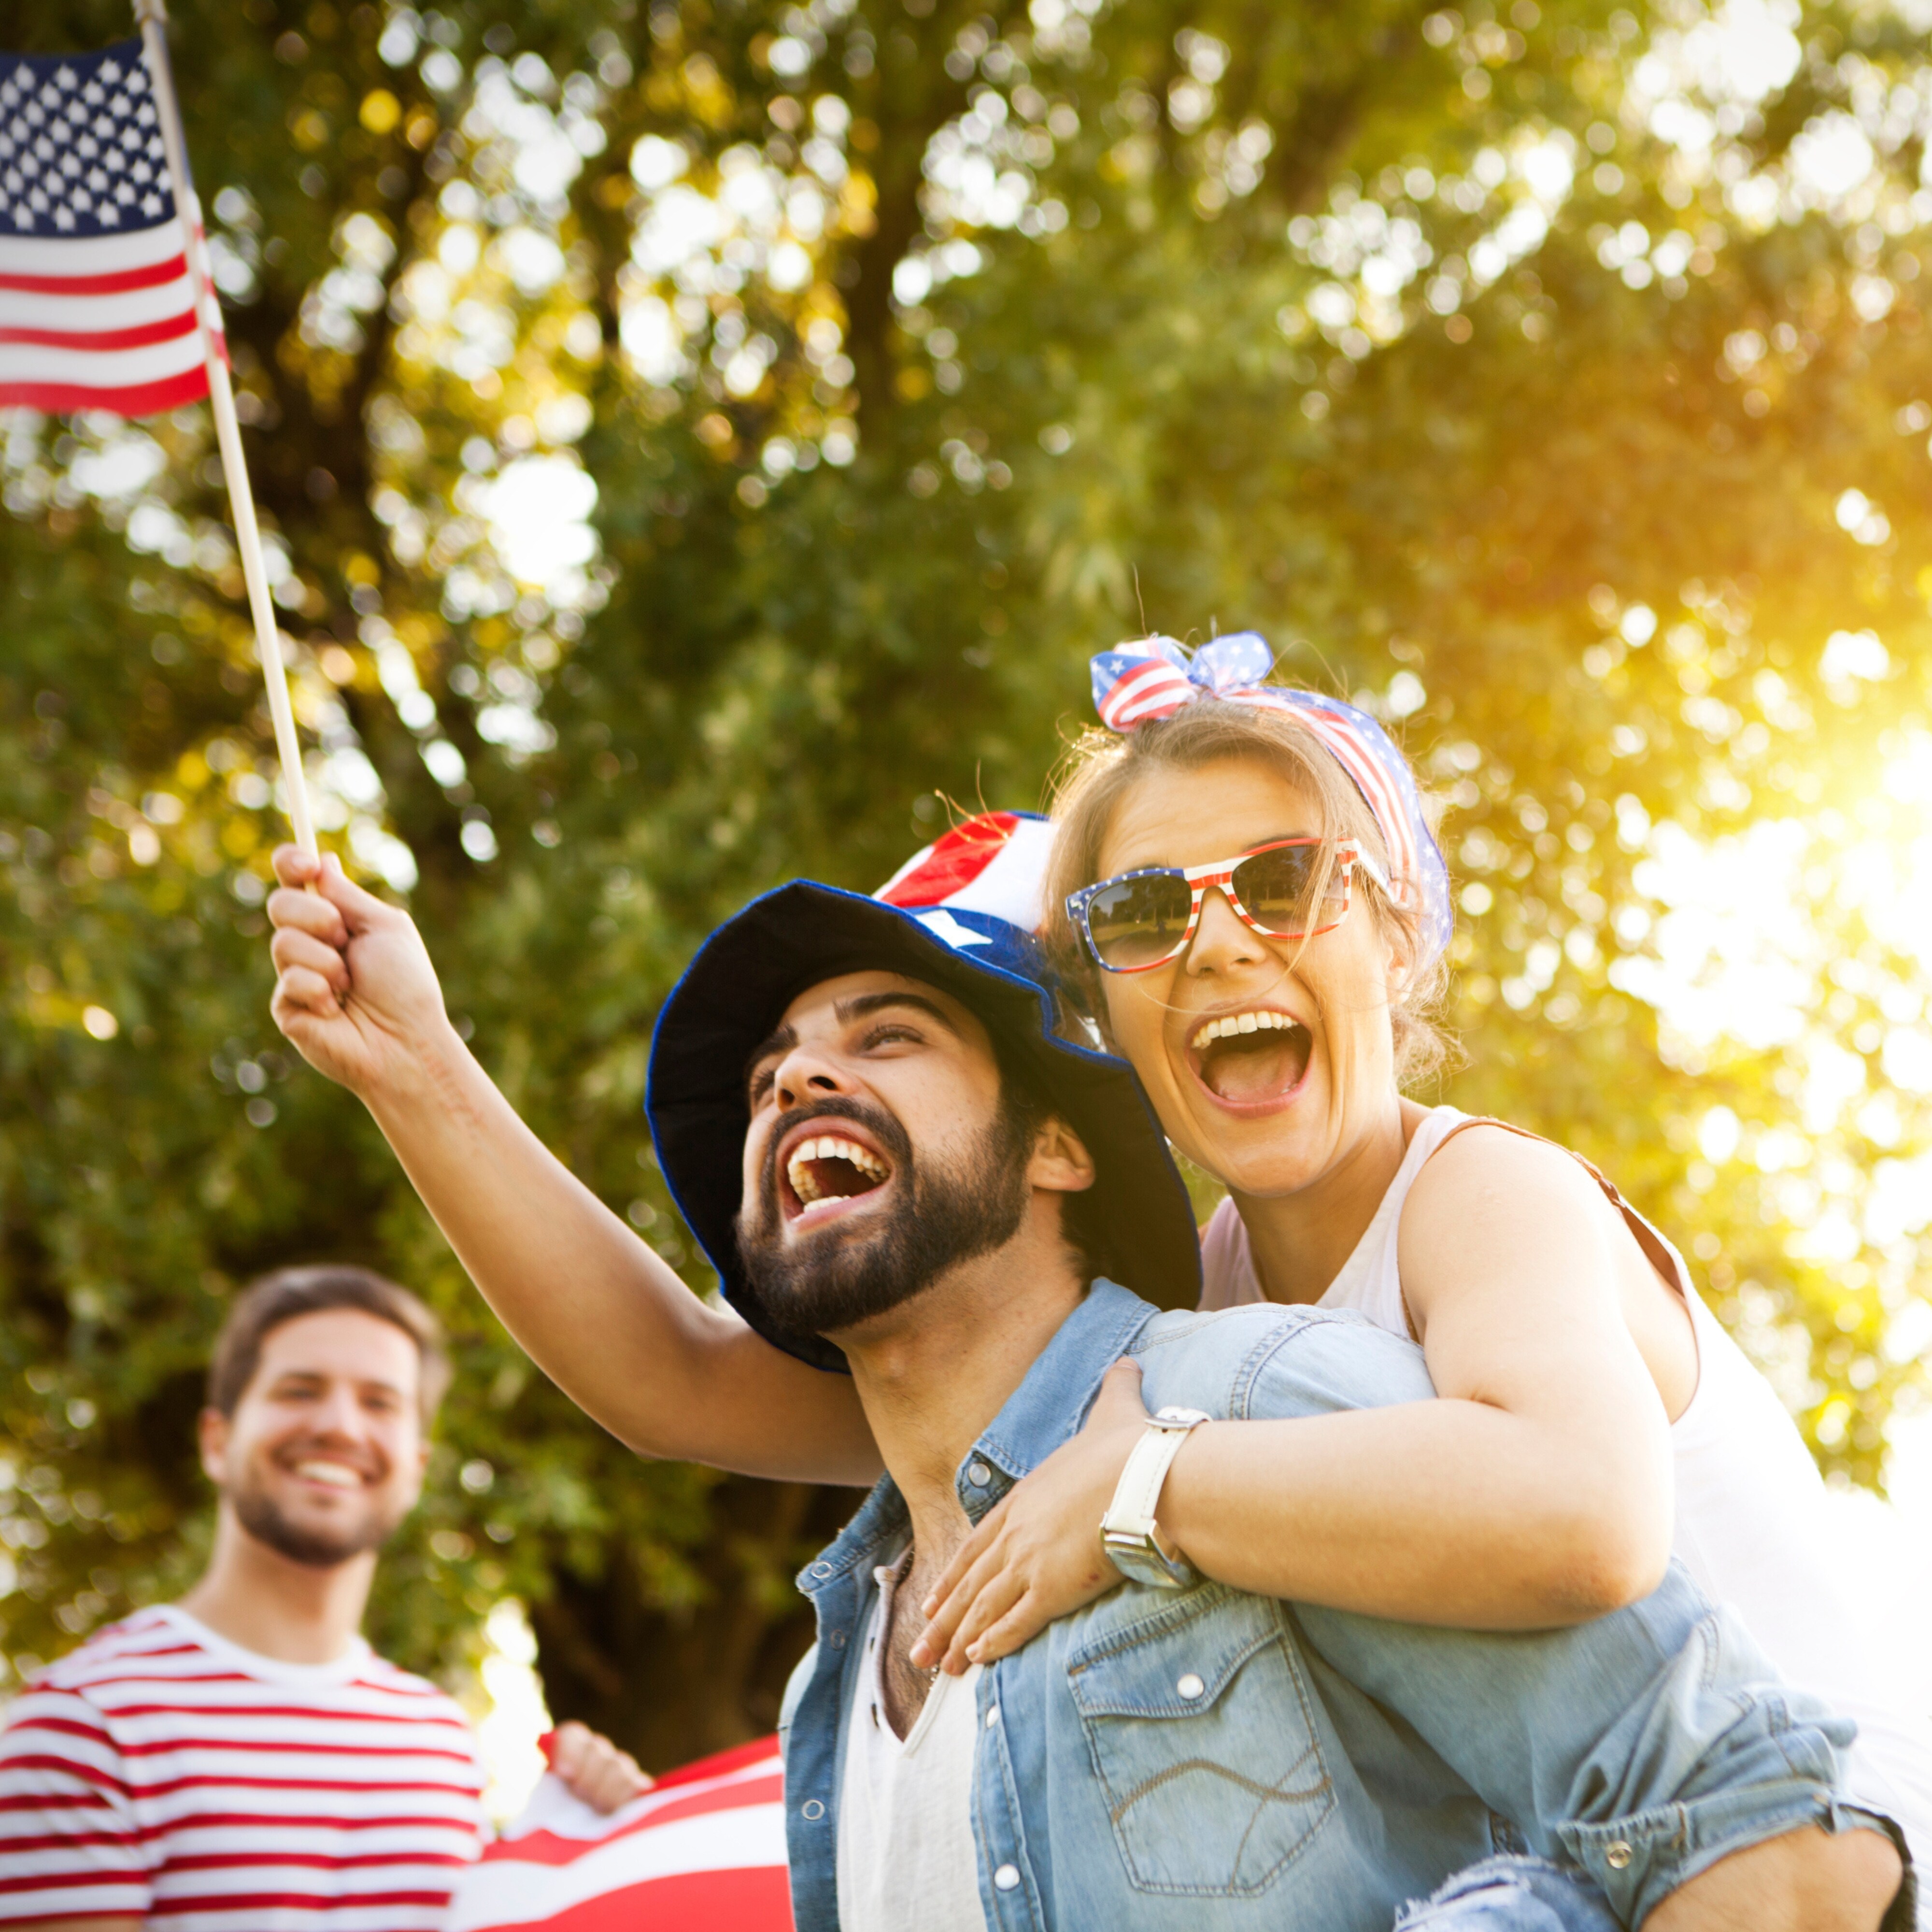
1643 1746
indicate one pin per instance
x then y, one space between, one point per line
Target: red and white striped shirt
162 1773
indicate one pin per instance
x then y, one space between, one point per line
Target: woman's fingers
997 1595
984 1534
942 1619
1038 1545
1119 1403
939 1640
1020 1625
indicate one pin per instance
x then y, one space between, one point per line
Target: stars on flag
96 298
80 146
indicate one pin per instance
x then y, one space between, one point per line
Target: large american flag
96 300
705 1849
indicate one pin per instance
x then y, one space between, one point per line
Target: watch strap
1137 1495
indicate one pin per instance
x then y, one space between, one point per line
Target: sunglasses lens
1278 887
1139 921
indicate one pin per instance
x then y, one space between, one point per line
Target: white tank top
907 1858
1750 1522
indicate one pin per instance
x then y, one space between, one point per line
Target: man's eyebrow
862 1004
781 1041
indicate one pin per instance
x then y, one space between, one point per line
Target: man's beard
259 1514
943 1213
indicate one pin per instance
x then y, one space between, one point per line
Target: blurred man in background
242 1759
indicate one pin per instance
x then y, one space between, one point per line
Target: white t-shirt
907 1861
1749 1521
161 1773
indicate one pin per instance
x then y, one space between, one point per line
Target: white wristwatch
1127 1530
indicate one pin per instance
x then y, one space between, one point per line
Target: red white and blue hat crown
977 887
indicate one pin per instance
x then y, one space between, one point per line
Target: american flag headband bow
1139 683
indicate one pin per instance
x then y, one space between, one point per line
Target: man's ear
1060 1162
212 1430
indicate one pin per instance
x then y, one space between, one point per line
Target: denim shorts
1511 1894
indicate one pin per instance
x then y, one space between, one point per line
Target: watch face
1152 1568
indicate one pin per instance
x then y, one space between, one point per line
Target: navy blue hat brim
735 991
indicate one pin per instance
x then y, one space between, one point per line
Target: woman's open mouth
1256 1058
822 1171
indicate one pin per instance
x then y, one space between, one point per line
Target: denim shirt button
837 1640
811 1809
978 1474
1007 1877
992 1715
821 1569
1191 1687
1617 1854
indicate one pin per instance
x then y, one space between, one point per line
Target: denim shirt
1178 1760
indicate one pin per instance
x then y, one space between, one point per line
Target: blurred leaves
693 437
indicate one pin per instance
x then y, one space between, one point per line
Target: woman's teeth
1252 1056
806 1185
1258 1021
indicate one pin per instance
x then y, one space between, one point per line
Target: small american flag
97 299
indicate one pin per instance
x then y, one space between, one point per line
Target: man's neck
934 1372
932 1375
294 1613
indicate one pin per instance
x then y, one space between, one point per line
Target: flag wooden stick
152 16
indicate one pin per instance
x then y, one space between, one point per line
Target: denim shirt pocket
1202 1731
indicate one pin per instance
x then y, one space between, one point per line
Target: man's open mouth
1247 1057
821 1169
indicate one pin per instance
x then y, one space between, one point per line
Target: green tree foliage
696 438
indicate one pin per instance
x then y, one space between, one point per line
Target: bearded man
242 1758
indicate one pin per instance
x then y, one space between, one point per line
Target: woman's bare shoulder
1487 1172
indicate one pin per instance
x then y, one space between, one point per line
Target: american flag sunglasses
1138 920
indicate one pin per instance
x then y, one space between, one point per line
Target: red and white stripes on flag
1337 729
705 1849
992 863
1152 689
97 301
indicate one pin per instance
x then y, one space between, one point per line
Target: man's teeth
336 1475
1259 1021
829 1146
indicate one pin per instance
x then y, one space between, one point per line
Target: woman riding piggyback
1246 889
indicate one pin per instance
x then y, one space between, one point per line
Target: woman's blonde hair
1100 768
